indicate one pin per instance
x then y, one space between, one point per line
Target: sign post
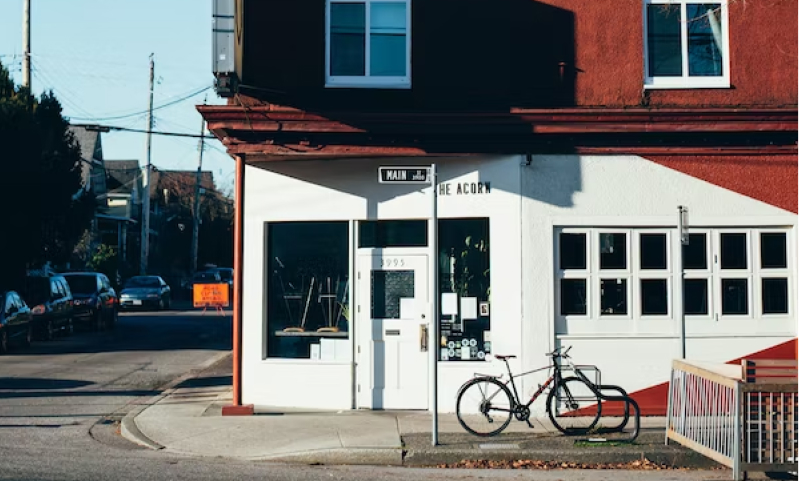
425 176
683 233
433 270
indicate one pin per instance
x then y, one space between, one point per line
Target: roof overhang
273 132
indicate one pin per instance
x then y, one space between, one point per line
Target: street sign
404 175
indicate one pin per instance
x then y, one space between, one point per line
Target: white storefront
535 252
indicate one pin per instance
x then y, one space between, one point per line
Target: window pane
572 251
464 269
573 297
734 296
734 251
695 297
694 253
654 251
307 288
613 251
393 233
388 39
388 287
348 39
773 250
704 30
664 40
775 296
613 297
654 297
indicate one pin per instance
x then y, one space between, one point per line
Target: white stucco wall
629 191
526 206
348 189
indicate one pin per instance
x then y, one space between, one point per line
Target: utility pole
26 44
196 212
146 181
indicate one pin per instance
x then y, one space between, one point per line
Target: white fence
728 414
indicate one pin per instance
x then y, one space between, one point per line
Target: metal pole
433 329
26 44
146 182
684 237
238 271
196 216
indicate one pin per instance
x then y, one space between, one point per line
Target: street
61 402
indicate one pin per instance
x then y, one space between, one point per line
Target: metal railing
745 426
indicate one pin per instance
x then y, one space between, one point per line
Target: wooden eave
272 132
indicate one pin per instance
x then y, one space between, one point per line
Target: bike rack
623 396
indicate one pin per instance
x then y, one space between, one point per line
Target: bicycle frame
552 380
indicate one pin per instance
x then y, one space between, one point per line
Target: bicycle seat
503 358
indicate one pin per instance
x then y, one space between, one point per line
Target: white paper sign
408 308
465 354
469 308
449 304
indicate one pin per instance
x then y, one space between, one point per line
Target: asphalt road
61 402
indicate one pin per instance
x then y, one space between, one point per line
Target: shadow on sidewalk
211 381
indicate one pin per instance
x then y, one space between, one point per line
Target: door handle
423 338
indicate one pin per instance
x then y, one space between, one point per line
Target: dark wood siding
494 54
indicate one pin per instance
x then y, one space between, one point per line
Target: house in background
110 224
124 186
566 136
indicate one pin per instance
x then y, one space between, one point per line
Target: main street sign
404 175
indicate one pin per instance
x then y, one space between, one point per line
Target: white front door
392 347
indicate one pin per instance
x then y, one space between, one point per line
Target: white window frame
747 274
760 273
686 81
706 274
366 81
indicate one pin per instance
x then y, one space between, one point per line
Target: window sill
394 83
679 83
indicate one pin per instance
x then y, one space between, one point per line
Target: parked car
51 304
226 274
145 291
15 321
96 302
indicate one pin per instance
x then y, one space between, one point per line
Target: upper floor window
368 43
686 44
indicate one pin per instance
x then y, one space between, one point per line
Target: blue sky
95 55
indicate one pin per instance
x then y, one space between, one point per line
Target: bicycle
573 405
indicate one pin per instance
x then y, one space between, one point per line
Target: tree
45 208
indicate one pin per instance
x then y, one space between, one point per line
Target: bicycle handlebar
556 353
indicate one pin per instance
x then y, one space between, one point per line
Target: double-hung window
686 44
368 43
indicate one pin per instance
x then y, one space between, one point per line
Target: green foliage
40 165
105 260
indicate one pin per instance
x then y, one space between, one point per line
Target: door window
388 288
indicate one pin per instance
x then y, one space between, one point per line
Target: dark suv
96 302
51 304
15 321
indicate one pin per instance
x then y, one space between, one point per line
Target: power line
162 106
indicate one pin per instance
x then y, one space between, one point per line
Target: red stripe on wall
768 178
653 400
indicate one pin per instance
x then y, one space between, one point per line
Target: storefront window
308 290
465 290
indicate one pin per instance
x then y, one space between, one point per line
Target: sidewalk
186 419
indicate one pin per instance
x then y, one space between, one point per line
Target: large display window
465 289
308 289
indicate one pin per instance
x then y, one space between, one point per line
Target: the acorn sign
404 175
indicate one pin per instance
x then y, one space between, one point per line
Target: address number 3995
392 262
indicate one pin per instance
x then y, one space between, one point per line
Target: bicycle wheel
484 406
573 407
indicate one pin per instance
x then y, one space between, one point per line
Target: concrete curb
432 457
340 456
128 427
